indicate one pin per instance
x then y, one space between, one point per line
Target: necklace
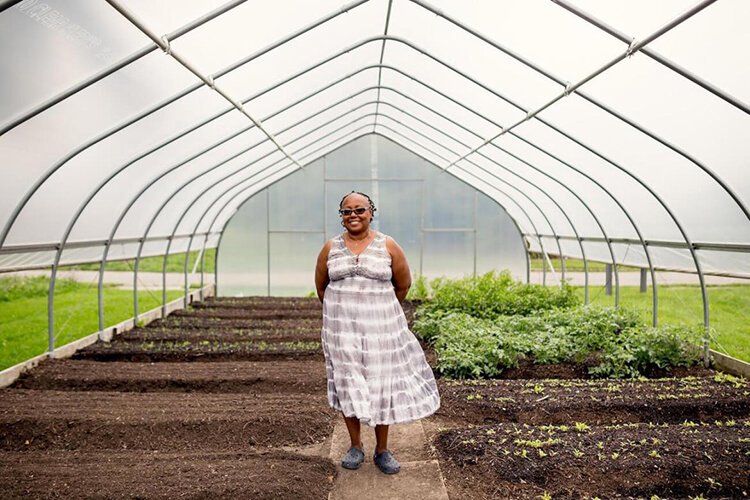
358 242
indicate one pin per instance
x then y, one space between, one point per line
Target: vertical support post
421 228
526 246
100 292
203 263
655 304
268 242
135 283
644 280
51 311
476 216
608 278
585 273
186 284
216 265
562 268
164 284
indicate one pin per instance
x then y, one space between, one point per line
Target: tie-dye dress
375 367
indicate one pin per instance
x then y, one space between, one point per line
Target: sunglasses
348 211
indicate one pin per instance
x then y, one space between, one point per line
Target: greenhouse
550 170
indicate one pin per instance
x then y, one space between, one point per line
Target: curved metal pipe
221 180
243 190
183 162
492 174
174 35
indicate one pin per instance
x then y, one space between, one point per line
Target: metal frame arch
174 167
269 166
654 309
645 247
382 55
521 192
243 190
574 88
640 45
570 222
525 195
721 94
192 157
538 170
165 102
327 86
125 61
176 191
322 125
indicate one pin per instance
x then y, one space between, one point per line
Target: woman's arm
401 275
321 270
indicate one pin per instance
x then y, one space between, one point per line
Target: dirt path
419 478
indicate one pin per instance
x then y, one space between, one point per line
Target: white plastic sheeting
129 120
445 227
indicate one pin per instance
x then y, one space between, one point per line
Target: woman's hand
321 271
400 267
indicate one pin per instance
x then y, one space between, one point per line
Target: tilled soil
288 377
163 421
193 322
248 313
592 401
273 474
251 420
222 335
623 460
673 438
240 411
204 350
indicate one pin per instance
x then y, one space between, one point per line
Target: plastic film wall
446 227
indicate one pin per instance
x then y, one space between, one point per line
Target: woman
376 369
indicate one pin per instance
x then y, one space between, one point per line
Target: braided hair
372 204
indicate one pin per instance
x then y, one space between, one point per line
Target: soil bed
231 429
120 474
593 401
204 350
224 335
287 377
164 421
260 303
627 460
248 313
188 322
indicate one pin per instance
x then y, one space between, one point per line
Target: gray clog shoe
353 458
386 462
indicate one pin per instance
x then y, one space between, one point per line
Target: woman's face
356 223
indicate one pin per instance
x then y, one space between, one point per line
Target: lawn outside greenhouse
566 178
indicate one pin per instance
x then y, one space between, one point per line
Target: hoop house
614 132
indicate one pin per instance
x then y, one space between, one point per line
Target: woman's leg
381 438
352 425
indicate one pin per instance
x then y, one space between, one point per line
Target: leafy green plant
472 342
467 348
419 289
496 294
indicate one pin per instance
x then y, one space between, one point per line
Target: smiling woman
376 369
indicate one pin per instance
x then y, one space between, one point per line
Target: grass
729 311
175 263
23 313
573 265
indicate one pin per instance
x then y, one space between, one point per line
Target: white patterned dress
375 367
